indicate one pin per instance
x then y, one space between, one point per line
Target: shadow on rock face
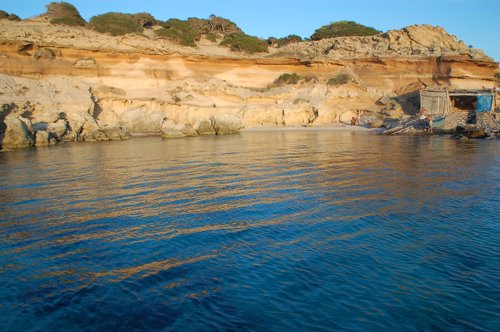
40 126
5 110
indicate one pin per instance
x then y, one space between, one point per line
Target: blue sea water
262 231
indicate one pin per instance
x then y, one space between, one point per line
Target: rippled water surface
265 231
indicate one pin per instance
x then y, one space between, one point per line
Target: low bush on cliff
279 42
145 20
286 78
212 37
117 24
64 13
342 29
66 20
179 31
240 41
6 16
187 32
293 78
339 79
222 25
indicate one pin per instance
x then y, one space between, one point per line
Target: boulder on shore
16 132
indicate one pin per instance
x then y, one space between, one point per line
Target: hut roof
460 92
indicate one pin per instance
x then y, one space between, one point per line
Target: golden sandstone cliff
68 83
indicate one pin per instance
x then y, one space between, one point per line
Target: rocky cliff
69 83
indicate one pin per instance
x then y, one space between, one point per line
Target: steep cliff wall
140 85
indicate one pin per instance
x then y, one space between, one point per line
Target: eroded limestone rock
42 138
225 124
171 130
16 132
115 133
58 129
205 127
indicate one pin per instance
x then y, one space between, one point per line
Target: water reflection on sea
310 230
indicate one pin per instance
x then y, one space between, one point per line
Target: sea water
261 231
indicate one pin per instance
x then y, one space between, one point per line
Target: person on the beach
429 122
423 119
353 121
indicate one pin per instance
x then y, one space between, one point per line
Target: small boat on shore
438 121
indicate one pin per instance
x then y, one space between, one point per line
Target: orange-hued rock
139 84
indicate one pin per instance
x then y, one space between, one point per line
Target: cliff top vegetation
6 16
220 31
343 29
116 24
64 13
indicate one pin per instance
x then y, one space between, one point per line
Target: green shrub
212 37
497 76
293 78
6 16
64 13
339 79
239 41
201 26
286 78
188 31
145 20
279 42
66 20
343 28
117 24
272 41
223 25
60 9
179 31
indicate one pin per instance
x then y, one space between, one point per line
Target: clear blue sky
473 21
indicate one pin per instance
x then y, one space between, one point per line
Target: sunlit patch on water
308 230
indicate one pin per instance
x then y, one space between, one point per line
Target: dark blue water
263 231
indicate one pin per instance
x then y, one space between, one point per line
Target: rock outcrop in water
110 87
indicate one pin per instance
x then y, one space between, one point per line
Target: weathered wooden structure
441 101
451 109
